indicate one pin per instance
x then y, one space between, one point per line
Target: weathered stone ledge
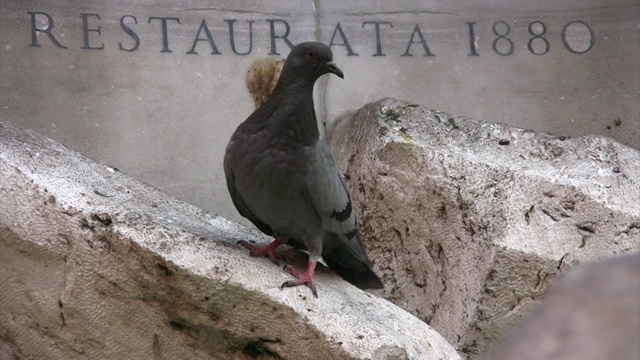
97 265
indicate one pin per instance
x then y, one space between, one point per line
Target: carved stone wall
155 88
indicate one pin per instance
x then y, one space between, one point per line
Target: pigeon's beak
333 68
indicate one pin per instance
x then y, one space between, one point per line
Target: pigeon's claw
266 251
302 279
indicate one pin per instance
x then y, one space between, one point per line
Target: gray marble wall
155 88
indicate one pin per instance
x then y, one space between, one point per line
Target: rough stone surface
96 265
468 222
592 313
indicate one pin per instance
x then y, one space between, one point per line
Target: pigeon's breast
271 179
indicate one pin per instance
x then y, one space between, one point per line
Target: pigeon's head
310 60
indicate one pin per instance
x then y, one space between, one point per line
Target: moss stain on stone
404 133
389 114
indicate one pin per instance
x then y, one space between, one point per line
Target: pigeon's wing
326 193
239 202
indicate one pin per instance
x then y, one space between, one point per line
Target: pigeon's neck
296 101
303 88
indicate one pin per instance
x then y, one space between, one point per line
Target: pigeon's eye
311 55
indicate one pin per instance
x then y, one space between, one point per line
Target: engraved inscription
577 36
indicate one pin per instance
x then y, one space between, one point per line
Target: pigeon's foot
266 251
302 279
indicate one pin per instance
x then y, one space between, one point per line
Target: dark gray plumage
282 177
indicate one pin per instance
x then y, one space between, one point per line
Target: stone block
468 222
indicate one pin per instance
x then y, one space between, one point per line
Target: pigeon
282 176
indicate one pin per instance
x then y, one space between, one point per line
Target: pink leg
267 251
302 279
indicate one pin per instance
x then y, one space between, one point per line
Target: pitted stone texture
468 221
97 265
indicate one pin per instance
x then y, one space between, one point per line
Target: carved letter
34 38
131 33
274 37
214 48
416 30
165 37
377 26
472 40
345 43
232 37
85 31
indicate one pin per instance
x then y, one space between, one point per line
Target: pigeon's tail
351 263
363 277
346 256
